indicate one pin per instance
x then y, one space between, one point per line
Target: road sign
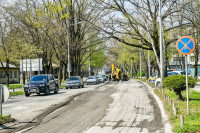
185 45
5 94
31 64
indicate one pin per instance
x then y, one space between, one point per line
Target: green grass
14 86
192 121
62 86
16 93
6 119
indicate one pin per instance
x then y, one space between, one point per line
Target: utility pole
149 65
89 66
68 45
161 39
140 66
131 68
30 69
22 73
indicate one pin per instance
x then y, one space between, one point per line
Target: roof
10 65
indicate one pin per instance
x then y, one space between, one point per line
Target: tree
177 83
140 17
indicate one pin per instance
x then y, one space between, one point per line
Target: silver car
74 81
101 78
92 80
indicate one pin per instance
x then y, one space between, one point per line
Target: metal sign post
186 45
187 89
1 99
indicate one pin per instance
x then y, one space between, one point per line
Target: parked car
74 81
177 73
101 78
158 81
104 76
92 80
41 84
153 78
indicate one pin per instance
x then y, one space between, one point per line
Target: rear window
91 78
73 78
39 78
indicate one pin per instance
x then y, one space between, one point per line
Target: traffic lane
86 110
134 110
25 109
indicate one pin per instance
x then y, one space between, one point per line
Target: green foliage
143 74
178 82
14 86
16 93
6 119
191 122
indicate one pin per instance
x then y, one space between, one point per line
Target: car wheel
66 87
56 90
47 92
158 85
70 87
87 84
82 86
27 94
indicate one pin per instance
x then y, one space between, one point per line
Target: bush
143 74
178 83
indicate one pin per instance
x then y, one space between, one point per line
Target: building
14 74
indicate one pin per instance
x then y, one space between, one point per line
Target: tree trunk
7 72
179 95
165 60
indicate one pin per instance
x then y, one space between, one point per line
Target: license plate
32 90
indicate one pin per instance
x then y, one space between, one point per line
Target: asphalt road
115 107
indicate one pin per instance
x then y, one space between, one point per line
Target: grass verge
16 93
192 121
6 119
14 86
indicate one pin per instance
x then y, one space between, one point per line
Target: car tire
70 87
56 90
66 87
87 84
27 94
47 92
158 85
82 86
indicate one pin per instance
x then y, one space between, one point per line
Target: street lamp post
68 45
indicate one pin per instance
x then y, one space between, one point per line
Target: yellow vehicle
117 74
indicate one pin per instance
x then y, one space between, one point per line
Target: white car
92 80
158 81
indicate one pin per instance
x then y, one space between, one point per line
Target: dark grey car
41 84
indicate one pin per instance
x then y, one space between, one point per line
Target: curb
167 125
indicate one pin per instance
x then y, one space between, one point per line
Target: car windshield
38 78
73 78
91 77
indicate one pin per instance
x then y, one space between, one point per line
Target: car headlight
26 86
42 84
